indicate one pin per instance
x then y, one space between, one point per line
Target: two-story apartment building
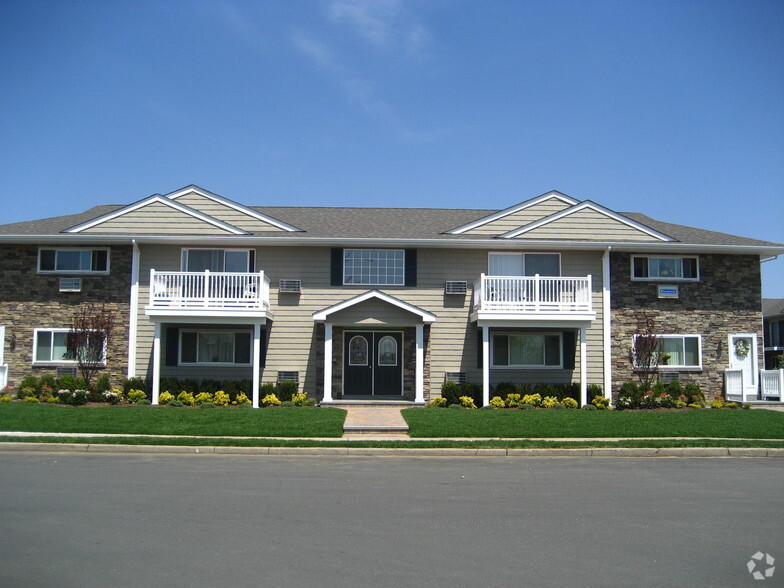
381 302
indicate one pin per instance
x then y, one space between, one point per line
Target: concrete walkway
374 420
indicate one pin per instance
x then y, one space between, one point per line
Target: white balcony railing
209 290
536 294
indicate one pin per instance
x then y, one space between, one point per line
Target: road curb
668 452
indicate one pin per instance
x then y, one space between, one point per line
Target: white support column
485 366
583 366
156 363
327 363
256 363
420 365
606 326
134 310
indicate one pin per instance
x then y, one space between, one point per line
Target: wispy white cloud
384 24
241 25
315 50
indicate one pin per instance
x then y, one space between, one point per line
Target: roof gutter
772 250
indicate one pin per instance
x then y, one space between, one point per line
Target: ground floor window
680 351
215 347
527 350
51 346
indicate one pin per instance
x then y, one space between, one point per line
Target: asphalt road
136 520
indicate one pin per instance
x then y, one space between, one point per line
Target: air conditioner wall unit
455 287
290 286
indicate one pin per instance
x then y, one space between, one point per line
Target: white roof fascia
161 200
582 206
516 208
235 205
322 315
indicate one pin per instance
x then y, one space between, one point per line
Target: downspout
134 310
607 324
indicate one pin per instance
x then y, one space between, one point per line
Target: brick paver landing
374 419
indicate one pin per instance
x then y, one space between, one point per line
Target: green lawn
739 424
164 420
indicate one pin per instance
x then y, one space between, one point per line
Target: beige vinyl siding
524 217
156 219
293 344
225 213
590 225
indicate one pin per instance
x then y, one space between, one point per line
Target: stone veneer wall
727 299
29 300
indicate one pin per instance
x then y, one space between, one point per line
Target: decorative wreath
741 348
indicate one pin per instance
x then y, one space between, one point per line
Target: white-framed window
527 350
507 263
665 267
73 260
775 334
680 351
217 260
374 267
215 347
51 346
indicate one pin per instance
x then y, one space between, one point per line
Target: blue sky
670 108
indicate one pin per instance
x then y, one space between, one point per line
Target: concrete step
374 420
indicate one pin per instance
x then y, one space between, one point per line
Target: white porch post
327 363
420 364
485 366
156 363
606 325
134 310
583 366
256 363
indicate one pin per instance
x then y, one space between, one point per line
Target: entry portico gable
403 315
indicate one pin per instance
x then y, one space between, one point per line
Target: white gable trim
235 205
592 206
157 198
516 208
322 315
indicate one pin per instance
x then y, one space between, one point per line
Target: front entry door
743 357
373 363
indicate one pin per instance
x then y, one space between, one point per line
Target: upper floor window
218 260
524 264
666 267
71 260
376 267
775 334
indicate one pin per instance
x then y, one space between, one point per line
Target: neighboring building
397 300
773 331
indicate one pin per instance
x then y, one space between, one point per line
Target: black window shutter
336 273
172 346
569 349
411 267
252 260
263 344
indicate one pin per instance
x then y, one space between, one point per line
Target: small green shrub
24 392
594 390
694 394
113 396
270 400
175 403
206 404
629 396
185 398
220 398
103 384
165 398
589 407
467 402
136 384
28 382
286 389
72 397
287 403
457 407
526 406
451 391
497 402
210 386
504 388
558 406
48 380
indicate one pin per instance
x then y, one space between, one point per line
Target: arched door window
358 351
387 351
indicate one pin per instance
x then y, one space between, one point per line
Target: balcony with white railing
533 297
209 293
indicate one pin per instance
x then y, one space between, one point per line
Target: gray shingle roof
772 307
383 223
